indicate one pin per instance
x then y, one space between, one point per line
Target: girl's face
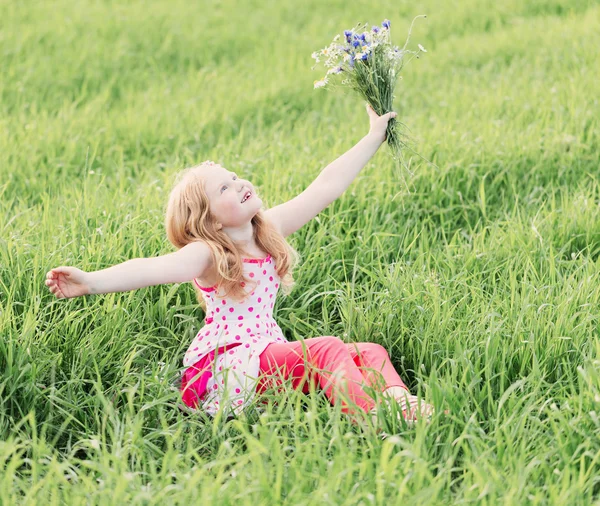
233 201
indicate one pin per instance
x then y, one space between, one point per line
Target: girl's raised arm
333 180
188 263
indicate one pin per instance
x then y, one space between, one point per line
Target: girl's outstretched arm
188 263
333 180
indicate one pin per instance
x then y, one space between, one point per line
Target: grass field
478 272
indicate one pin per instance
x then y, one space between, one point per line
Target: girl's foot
413 408
410 407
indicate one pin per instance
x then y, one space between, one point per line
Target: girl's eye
225 186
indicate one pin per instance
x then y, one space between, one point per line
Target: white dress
234 374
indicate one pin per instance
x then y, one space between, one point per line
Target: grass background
479 274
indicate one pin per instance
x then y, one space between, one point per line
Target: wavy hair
188 219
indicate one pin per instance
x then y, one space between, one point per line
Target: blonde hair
188 219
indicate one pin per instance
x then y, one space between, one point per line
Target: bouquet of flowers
370 65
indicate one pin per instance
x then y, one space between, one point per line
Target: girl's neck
252 252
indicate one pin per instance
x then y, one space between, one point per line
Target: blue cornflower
348 35
386 23
363 37
375 29
356 43
364 56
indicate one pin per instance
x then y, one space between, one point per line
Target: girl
237 256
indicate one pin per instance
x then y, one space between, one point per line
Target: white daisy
321 83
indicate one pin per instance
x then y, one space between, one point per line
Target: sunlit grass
477 270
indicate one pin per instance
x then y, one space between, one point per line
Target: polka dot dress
246 328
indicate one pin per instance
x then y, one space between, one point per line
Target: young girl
237 256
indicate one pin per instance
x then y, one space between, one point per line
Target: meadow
477 270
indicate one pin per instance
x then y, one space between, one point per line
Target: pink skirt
193 387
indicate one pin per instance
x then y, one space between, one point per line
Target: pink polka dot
240 317
220 368
240 324
215 387
231 352
270 278
226 326
195 348
218 310
238 337
224 317
243 284
258 316
218 325
237 390
251 274
250 309
267 289
248 330
259 299
231 310
234 367
223 302
276 285
257 325
247 345
264 271
271 296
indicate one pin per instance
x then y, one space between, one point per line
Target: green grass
478 272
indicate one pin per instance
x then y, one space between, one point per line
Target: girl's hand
379 123
66 282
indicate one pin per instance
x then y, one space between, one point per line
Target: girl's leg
326 360
376 365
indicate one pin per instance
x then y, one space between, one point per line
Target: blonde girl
236 255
